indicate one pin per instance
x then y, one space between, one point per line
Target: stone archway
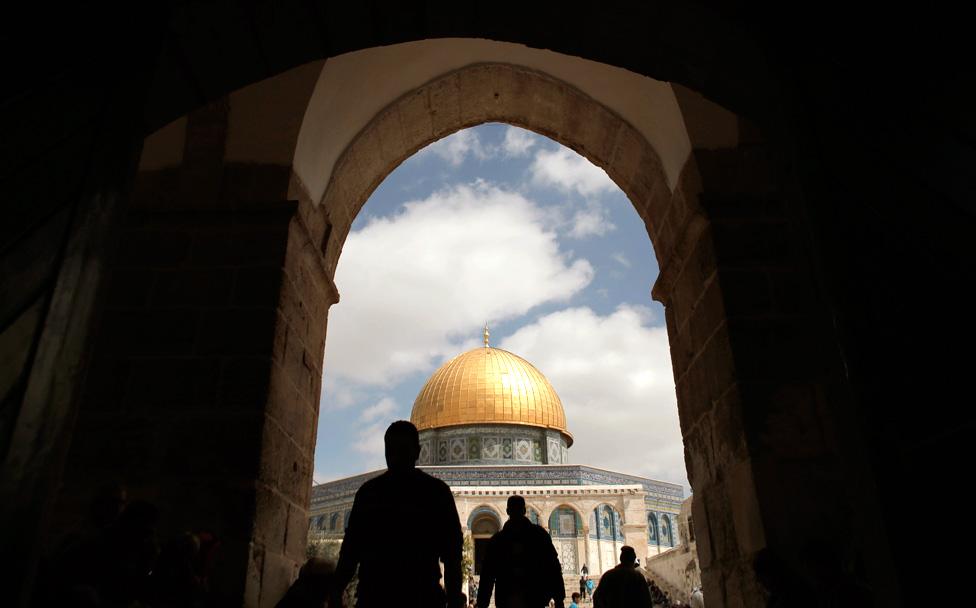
488 93
718 230
677 222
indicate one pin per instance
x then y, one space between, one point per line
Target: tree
467 558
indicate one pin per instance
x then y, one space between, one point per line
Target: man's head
627 555
402 445
516 506
576 597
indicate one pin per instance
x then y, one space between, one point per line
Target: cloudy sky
500 224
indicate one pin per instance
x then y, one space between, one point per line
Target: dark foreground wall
869 115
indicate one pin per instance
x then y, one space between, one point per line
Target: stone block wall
751 357
203 387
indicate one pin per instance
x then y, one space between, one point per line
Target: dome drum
483 444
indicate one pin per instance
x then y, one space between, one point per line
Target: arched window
651 528
345 520
334 521
483 523
481 511
608 524
533 515
565 522
667 537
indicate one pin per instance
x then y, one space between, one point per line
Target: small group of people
661 598
520 568
118 562
585 585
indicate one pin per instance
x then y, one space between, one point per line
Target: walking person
521 564
402 493
623 586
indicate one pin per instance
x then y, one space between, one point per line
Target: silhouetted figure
313 586
175 581
417 511
623 586
521 564
132 552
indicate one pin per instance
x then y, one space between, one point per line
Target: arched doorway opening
566 530
483 523
695 222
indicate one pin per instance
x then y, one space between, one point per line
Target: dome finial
486 334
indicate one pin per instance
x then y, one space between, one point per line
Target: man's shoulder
631 572
374 483
615 573
540 534
415 476
430 485
428 478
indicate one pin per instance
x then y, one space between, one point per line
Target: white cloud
369 441
338 395
591 221
613 375
417 286
566 170
383 407
621 259
455 148
369 430
517 142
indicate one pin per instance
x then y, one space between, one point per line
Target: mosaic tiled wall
606 524
661 496
661 529
663 500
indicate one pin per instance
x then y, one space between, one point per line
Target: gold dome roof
488 386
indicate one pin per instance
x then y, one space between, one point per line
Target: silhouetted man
623 586
412 515
521 564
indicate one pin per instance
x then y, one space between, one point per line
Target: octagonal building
491 425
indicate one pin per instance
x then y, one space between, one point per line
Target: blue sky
499 224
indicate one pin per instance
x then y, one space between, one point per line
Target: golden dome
488 386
